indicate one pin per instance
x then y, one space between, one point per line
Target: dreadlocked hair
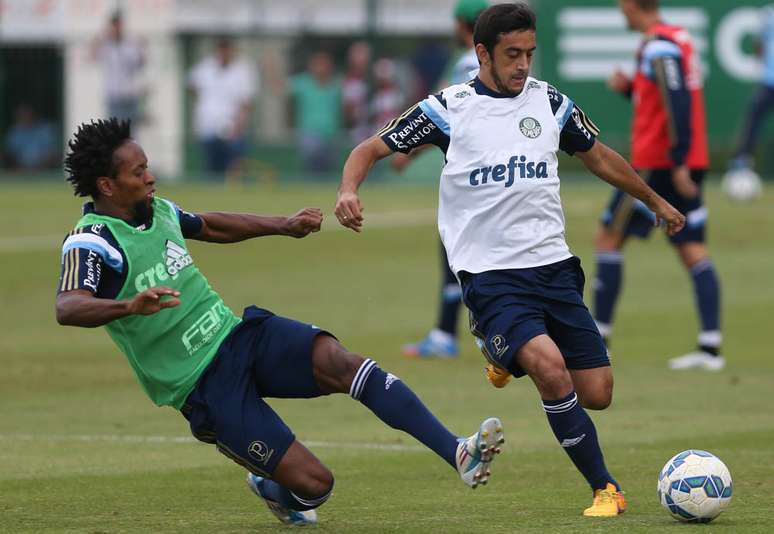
91 153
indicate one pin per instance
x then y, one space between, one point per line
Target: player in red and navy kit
669 145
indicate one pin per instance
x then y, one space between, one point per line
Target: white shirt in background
220 93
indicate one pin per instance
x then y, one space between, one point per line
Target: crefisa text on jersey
517 167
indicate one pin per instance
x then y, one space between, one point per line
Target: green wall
579 40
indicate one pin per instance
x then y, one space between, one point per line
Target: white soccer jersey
499 205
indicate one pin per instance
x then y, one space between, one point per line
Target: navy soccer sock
607 285
450 305
707 290
395 404
575 431
286 498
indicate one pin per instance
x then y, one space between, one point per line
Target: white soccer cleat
697 360
286 515
475 453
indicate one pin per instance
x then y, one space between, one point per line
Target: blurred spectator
763 100
465 15
429 62
30 143
388 99
223 86
317 97
122 62
355 92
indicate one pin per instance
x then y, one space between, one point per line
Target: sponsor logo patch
570 442
499 345
260 452
389 380
530 128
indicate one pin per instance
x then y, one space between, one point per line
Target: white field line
173 440
393 219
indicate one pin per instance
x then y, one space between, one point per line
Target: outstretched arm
349 211
80 307
409 131
219 227
612 168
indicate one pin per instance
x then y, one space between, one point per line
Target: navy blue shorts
630 217
265 356
510 307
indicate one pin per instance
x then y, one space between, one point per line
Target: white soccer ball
742 185
695 486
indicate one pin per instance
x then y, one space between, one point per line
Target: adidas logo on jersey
517 167
177 258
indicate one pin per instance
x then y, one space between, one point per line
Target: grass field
83 450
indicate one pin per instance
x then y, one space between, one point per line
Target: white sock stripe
702 266
711 338
353 385
312 502
363 379
609 257
560 410
356 389
563 407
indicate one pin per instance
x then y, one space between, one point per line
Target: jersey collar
482 89
88 207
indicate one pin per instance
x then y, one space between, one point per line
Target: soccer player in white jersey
501 222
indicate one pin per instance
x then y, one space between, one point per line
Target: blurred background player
316 96
354 92
669 144
224 88
30 143
763 100
441 341
123 59
387 101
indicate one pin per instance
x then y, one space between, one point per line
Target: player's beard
501 87
143 212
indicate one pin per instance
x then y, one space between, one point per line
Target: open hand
150 301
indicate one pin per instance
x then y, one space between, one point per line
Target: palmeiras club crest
530 127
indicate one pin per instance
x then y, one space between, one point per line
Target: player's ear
105 186
483 55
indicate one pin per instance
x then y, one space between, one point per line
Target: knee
596 402
322 483
692 254
553 379
606 240
598 399
316 483
334 368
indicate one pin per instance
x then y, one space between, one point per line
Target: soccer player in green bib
126 266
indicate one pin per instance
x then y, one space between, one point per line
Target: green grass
70 407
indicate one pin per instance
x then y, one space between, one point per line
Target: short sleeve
422 124
577 132
86 252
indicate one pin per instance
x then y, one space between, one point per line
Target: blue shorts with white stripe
265 356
